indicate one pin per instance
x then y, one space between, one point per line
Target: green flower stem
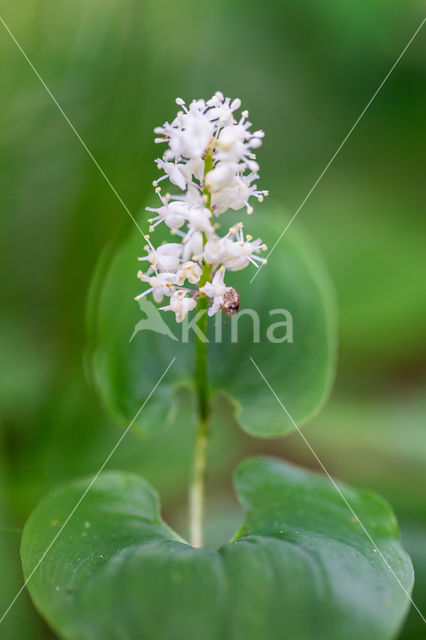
196 494
201 377
208 166
197 488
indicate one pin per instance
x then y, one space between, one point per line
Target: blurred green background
305 71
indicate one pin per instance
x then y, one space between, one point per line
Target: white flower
230 138
199 220
189 134
190 271
191 199
180 305
237 194
171 213
193 246
246 252
219 177
235 143
161 285
165 258
206 134
222 109
216 290
193 169
210 127
174 171
218 250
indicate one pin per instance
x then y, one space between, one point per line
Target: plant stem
201 379
208 166
196 493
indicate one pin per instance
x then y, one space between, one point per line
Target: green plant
302 565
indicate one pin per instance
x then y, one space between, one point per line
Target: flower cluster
210 159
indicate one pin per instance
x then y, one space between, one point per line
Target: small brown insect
231 302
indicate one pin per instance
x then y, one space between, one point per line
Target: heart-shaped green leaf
129 348
301 567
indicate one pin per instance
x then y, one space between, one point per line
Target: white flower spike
210 160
